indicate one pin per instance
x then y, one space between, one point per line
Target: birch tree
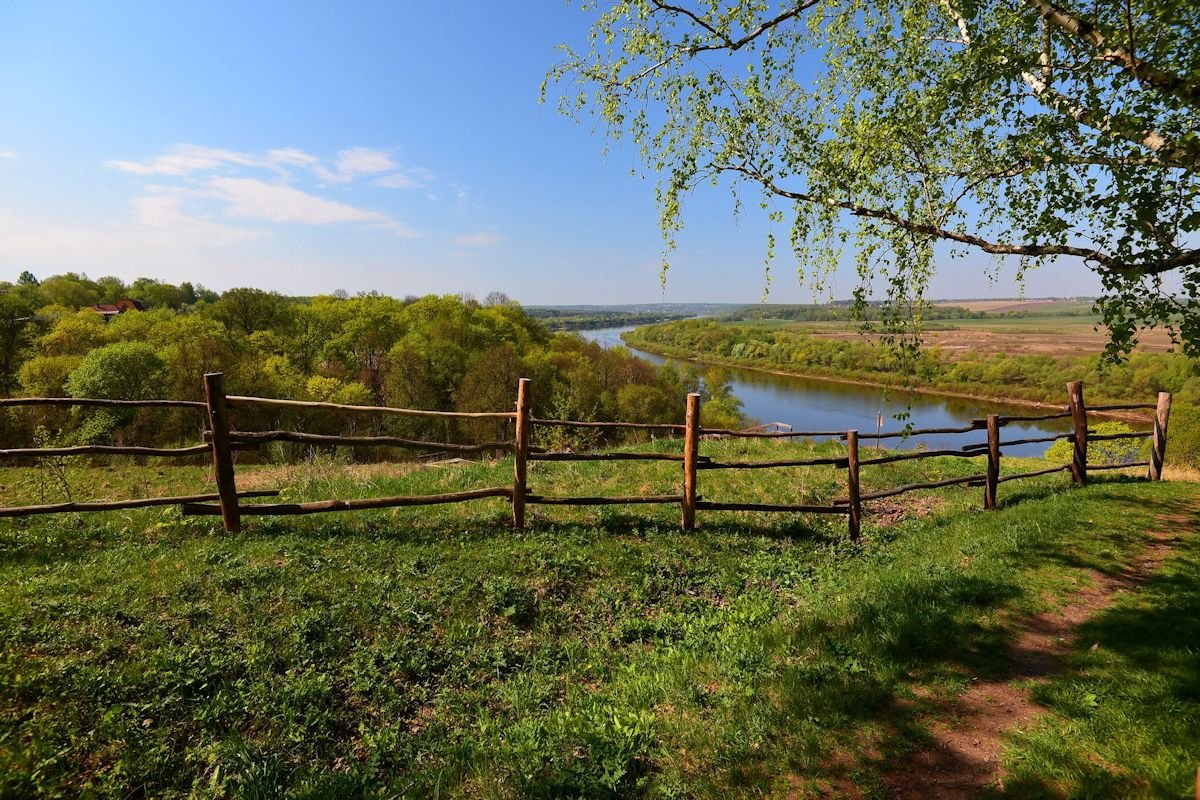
1022 129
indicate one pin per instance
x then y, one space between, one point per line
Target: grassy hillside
435 653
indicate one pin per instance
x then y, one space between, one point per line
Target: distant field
1055 335
989 336
1009 305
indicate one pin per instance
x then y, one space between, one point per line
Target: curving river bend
814 404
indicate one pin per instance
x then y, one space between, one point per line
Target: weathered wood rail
221 439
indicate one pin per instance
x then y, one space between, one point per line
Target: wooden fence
222 439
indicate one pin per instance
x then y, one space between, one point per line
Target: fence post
855 505
1079 418
691 451
218 423
520 454
1159 446
993 461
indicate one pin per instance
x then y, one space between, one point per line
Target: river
823 405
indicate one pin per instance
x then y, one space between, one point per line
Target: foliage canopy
1019 128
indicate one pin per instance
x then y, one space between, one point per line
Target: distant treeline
445 353
1023 377
842 312
558 320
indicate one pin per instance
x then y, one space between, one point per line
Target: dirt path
964 756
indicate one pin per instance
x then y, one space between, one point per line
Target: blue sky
308 147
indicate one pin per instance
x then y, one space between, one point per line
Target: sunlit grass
601 653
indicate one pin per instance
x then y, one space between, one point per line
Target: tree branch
1182 259
1146 73
1166 150
727 43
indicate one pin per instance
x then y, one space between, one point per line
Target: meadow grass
601 653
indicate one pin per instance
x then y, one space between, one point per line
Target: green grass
602 653
1126 710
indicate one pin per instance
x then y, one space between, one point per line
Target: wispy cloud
163 213
407 178
8 153
481 239
228 176
158 232
355 162
255 199
186 159
292 157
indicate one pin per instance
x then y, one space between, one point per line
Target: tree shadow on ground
938 624
1140 652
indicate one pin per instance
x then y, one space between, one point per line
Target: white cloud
482 239
163 213
255 199
408 178
158 233
292 157
8 153
186 159
363 160
355 162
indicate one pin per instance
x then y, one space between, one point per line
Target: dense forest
437 352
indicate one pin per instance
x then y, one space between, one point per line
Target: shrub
1114 451
1183 437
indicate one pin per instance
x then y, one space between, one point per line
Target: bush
121 371
1115 451
1183 437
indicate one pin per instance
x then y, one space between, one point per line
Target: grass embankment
435 653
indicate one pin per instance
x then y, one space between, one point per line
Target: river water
821 405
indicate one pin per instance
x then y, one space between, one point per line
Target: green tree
246 310
158 295
46 376
111 288
119 371
18 305
1034 129
71 290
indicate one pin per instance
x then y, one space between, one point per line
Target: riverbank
927 391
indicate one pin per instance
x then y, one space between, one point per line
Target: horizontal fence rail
264 437
121 505
238 400
95 401
222 439
106 450
322 506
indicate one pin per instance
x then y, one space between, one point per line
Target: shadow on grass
1140 671
875 663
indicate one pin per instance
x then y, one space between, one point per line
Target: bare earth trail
963 758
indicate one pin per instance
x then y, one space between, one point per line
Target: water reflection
820 405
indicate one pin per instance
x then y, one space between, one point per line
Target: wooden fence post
855 515
993 461
691 452
1079 418
218 423
521 454
1159 446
